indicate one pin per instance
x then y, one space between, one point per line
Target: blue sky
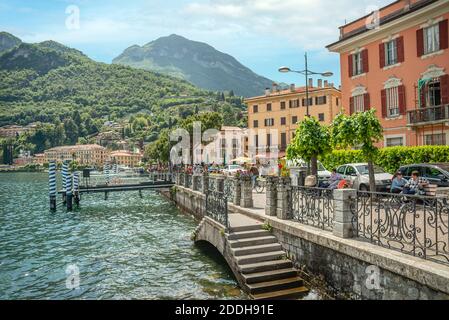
261 34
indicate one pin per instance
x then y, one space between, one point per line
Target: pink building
399 67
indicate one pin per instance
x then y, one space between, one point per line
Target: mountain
8 41
50 83
196 62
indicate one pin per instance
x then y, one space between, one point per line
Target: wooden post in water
76 188
52 184
65 170
69 194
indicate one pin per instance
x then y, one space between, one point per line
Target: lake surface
121 248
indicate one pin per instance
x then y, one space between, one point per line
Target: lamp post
306 72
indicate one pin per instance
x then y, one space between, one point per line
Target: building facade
125 158
397 61
88 154
273 117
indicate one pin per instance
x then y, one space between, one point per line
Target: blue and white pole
76 187
106 171
52 184
69 194
65 170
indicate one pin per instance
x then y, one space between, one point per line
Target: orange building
84 154
125 158
273 117
398 64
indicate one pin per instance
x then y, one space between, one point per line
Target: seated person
332 182
398 182
415 185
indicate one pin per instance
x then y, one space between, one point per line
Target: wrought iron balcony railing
429 114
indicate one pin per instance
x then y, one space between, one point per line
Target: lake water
121 248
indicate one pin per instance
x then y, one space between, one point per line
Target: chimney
310 82
326 83
339 87
292 87
267 91
320 83
275 86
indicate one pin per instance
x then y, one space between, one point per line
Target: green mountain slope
8 41
197 62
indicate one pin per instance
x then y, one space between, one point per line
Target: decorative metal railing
217 207
428 114
212 183
199 181
312 206
188 182
416 225
229 188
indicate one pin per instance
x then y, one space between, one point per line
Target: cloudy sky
261 34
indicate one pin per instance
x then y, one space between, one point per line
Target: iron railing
415 225
217 207
188 181
428 114
212 183
229 188
312 206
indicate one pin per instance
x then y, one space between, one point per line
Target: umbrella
242 160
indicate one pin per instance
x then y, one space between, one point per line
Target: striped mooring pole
106 171
76 188
69 194
65 170
52 184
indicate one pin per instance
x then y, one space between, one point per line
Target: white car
232 169
298 165
357 173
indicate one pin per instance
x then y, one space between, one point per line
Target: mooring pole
52 184
106 171
69 193
76 192
64 180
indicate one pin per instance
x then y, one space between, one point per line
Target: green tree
71 130
312 139
361 130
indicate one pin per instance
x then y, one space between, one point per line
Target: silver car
357 173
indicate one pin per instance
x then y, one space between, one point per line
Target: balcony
429 115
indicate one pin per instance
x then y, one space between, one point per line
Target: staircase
264 267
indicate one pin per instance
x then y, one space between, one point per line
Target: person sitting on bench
415 185
398 182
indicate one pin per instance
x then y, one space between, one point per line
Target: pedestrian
397 183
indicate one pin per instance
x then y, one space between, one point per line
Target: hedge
390 158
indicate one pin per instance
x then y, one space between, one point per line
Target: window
283 141
431 39
282 105
341 170
283 121
350 171
436 139
256 123
320 100
357 66
433 93
432 173
359 103
256 140
337 102
255 108
294 119
393 142
294 103
268 106
304 102
391 53
269 122
392 97
321 116
268 140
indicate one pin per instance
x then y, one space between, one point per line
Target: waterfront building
40 159
126 158
398 63
229 143
88 154
273 117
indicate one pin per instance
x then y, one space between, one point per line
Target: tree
362 130
311 141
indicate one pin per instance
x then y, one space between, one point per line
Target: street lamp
306 72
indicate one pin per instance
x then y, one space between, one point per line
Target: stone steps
270 247
265 266
249 242
248 234
246 228
269 275
282 294
275 285
260 257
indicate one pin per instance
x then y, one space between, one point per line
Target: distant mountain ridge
196 62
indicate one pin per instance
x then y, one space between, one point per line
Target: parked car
435 173
357 174
232 169
298 165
